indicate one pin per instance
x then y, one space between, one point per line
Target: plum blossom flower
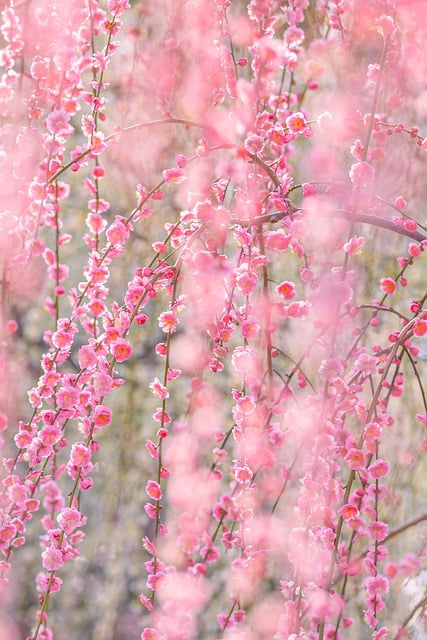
388 285
39 69
243 475
355 459
52 559
158 389
150 634
102 416
362 174
296 123
175 175
57 123
80 454
379 469
69 519
354 246
286 290
168 321
121 350
254 144
153 490
377 530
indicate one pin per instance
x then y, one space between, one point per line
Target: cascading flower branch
283 347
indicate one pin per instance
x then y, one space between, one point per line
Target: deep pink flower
121 350
388 285
153 490
102 416
158 389
296 123
286 290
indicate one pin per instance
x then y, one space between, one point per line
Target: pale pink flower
57 123
355 459
362 174
52 559
377 530
354 246
243 475
69 519
39 69
80 454
156 580
376 585
379 469
175 175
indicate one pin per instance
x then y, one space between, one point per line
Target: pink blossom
376 585
102 416
67 397
410 564
379 468
80 454
57 123
354 246
362 174
146 602
153 490
420 327
348 512
175 175
158 389
52 559
156 580
121 350
380 634
243 475
118 232
150 634
69 519
286 290
388 285
150 510
87 356
168 321
254 144
40 67
98 145
149 546
296 123
355 459
377 530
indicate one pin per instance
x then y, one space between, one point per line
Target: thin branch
404 526
422 603
351 216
